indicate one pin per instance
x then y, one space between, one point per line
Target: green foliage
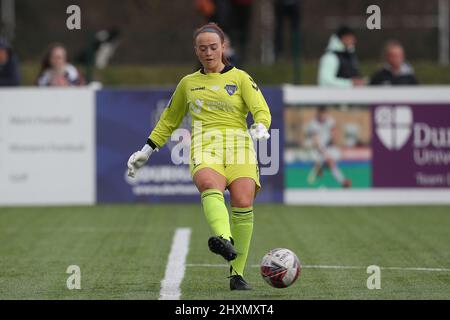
169 75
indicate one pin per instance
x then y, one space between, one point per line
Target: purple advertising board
124 120
411 146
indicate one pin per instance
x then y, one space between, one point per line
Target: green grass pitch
122 251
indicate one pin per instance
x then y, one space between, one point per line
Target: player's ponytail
214 28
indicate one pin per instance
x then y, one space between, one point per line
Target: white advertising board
47 146
385 145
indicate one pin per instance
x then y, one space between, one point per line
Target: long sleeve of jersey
255 101
171 117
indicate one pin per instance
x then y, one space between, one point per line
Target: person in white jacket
339 65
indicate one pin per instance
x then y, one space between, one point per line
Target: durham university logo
393 125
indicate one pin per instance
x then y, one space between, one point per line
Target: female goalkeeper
218 97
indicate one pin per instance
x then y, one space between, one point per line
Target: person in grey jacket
9 66
339 65
395 70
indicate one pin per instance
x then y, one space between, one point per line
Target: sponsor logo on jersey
197 106
215 88
198 88
231 89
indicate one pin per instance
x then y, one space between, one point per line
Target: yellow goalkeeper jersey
214 100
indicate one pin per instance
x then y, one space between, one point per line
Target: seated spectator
9 66
395 71
230 53
56 71
339 65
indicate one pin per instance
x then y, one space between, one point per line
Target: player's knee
207 184
241 201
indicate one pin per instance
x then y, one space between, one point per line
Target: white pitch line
418 269
205 265
170 285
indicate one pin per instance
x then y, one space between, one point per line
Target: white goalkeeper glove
259 131
138 159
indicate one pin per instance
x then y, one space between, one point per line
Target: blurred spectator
395 71
221 15
9 65
56 71
206 7
339 65
105 45
230 53
214 11
99 50
285 9
240 17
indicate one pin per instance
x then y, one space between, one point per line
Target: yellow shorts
231 170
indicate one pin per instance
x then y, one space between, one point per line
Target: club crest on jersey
231 89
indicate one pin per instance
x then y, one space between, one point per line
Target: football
280 267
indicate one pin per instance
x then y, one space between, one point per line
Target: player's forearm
170 120
263 116
160 135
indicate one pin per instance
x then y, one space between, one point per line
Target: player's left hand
259 131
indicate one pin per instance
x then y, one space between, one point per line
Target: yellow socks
216 212
241 230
